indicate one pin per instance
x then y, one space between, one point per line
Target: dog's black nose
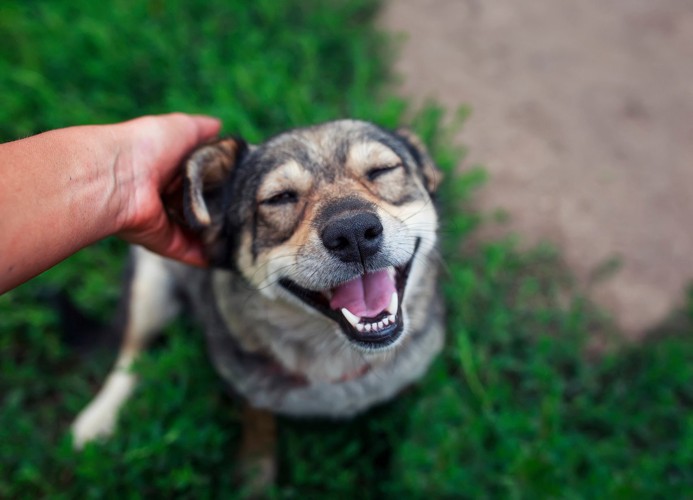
354 238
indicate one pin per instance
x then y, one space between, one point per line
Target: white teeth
351 318
356 321
394 304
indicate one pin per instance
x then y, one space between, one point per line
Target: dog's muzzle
368 307
367 301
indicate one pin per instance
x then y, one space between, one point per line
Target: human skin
63 190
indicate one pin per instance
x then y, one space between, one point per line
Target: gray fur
238 338
269 344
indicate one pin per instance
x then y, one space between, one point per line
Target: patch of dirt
583 116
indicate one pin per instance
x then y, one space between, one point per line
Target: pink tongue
366 295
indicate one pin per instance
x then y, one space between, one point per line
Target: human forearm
63 190
58 194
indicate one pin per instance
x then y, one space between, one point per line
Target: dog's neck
275 367
301 346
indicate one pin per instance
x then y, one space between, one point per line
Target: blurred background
583 117
565 133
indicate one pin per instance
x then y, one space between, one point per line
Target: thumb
207 126
169 138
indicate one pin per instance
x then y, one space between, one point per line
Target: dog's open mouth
368 307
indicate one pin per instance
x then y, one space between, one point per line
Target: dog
321 298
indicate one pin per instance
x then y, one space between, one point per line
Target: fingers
185 249
207 126
183 132
177 245
168 239
173 242
160 143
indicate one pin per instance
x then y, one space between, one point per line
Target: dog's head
332 219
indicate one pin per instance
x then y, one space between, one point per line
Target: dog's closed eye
281 198
376 172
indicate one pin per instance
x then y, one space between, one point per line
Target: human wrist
131 148
101 147
118 144
61 193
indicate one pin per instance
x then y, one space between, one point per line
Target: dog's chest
292 364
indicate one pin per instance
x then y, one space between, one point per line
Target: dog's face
331 219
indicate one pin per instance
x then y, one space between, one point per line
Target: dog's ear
430 174
206 170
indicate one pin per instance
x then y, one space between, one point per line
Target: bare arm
65 189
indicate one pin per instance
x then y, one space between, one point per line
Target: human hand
150 150
68 188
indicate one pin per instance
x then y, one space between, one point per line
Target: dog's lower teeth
355 321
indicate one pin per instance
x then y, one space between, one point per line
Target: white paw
91 424
98 420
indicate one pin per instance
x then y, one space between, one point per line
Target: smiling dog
322 298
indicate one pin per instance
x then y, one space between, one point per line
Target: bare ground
583 116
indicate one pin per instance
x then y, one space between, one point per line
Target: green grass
516 407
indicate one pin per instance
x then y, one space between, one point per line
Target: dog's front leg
150 303
257 456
